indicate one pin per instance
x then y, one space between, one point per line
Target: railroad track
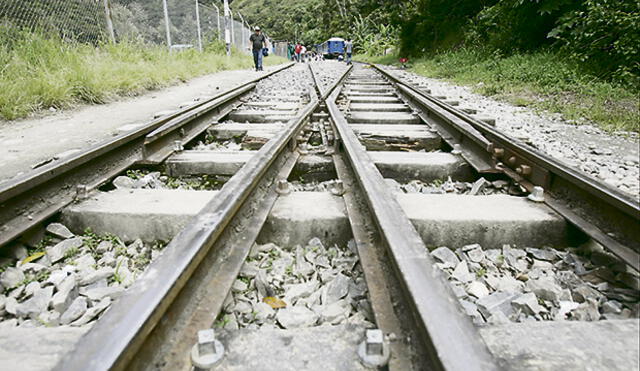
345 223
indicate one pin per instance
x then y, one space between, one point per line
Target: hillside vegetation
580 58
41 72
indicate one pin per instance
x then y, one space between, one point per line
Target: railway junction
319 217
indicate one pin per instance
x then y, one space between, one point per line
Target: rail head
113 341
448 334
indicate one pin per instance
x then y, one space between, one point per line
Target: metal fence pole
227 33
244 38
218 22
198 27
233 32
107 12
166 23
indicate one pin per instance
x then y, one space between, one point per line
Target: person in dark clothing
257 42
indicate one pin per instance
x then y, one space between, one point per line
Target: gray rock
335 290
67 293
98 294
542 254
56 253
494 256
10 305
335 313
528 303
249 270
8 323
104 246
477 289
472 311
231 322
239 286
31 288
545 288
461 273
92 312
124 182
36 305
56 277
446 256
50 318
262 285
59 230
296 317
95 276
302 267
478 186
11 277
263 312
108 259
242 307
77 308
476 255
17 292
85 264
135 248
587 311
3 300
584 292
499 301
32 267
300 290
316 243
498 318
127 278
611 306
18 252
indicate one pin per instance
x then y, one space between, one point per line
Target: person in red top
298 50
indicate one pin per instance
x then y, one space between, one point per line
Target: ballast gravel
610 158
68 279
497 286
305 286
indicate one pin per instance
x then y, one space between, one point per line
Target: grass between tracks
542 80
38 72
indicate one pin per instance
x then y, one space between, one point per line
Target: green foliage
543 80
605 36
38 72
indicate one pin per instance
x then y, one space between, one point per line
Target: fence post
166 23
107 12
218 22
198 24
244 38
227 34
233 32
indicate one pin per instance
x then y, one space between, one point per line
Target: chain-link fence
177 23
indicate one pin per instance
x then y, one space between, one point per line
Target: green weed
39 72
542 80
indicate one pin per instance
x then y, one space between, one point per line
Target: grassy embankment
542 80
37 73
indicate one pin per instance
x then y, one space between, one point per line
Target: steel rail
32 198
604 213
116 338
448 335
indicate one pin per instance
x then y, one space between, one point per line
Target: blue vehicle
332 48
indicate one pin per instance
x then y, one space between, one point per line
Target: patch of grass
541 80
38 72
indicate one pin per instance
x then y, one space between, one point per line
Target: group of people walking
298 52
